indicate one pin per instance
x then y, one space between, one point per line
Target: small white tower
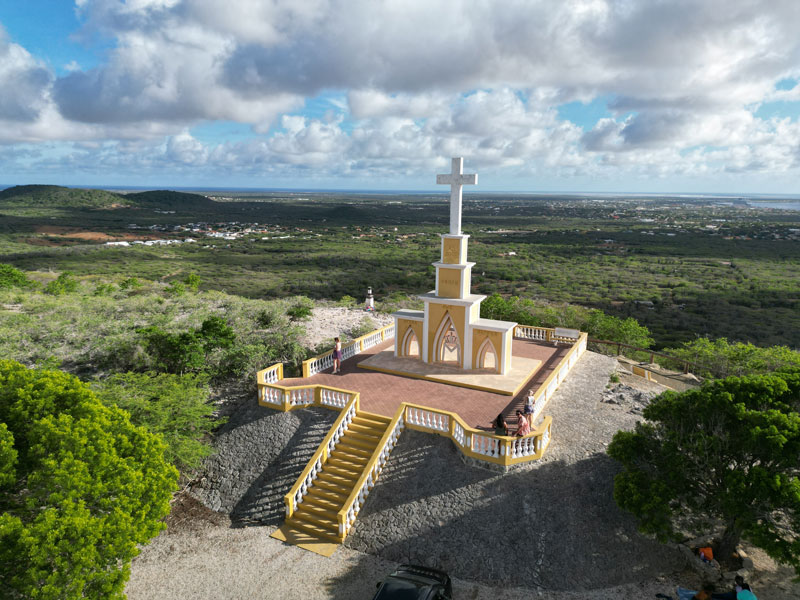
369 305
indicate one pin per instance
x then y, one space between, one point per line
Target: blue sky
586 95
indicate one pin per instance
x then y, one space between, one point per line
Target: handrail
370 473
550 385
686 363
271 374
478 444
306 479
315 364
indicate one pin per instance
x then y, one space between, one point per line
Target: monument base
521 371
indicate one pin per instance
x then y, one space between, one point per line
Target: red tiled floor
382 393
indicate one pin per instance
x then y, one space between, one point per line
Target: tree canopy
11 277
720 358
188 351
597 323
80 488
724 459
174 406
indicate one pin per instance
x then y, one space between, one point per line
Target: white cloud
423 80
24 83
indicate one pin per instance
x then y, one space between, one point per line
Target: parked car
414 582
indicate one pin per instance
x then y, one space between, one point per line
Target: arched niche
488 357
410 346
447 343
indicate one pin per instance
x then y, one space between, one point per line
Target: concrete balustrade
320 363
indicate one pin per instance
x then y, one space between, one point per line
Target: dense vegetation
81 487
101 327
721 459
688 269
176 407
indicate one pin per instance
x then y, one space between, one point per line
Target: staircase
317 514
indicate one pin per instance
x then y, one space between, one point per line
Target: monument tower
449 330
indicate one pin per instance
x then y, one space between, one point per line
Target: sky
677 96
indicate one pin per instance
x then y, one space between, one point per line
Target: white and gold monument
449 330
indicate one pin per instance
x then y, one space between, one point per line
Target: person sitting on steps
499 424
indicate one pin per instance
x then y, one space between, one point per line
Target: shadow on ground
554 525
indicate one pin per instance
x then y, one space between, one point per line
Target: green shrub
720 358
176 288
104 289
11 277
188 351
130 283
82 488
347 301
367 325
65 283
176 407
299 312
628 331
265 318
192 281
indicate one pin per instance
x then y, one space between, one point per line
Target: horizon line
435 191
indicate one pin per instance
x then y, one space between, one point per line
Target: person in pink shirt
523 426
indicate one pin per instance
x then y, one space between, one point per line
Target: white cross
456 179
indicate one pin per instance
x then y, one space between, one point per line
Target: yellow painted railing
306 479
475 443
316 364
542 395
351 507
271 374
286 398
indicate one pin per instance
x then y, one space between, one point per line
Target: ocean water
794 205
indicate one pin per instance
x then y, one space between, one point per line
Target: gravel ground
551 525
550 530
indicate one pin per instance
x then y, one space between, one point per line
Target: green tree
215 333
82 489
12 277
174 352
719 358
192 281
174 406
65 283
722 459
188 351
627 331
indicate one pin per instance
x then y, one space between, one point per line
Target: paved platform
522 369
382 393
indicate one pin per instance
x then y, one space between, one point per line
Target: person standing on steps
523 425
337 356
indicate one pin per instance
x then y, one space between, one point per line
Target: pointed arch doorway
447 344
410 345
487 357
